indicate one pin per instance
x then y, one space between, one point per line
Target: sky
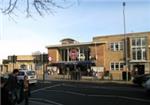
82 21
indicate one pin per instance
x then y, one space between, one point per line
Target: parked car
141 79
31 74
147 85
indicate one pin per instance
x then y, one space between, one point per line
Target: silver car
31 74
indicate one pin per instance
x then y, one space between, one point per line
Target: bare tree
31 6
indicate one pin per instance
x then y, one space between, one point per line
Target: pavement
84 79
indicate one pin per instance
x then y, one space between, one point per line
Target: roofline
76 44
116 35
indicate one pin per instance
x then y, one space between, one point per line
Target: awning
65 63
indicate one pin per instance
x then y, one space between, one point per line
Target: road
86 93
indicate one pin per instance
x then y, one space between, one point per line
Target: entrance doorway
139 69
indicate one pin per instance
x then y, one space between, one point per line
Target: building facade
108 52
138 52
35 61
20 61
73 55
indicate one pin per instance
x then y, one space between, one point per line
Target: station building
107 52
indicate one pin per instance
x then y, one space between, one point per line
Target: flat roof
76 44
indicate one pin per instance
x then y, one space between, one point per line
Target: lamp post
125 41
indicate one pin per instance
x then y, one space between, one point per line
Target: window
64 54
21 73
134 53
139 48
143 40
31 73
112 46
121 45
138 41
121 66
133 42
117 66
139 54
77 54
144 54
112 66
116 46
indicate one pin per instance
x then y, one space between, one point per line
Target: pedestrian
26 90
12 87
4 93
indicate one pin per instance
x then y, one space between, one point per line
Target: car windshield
21 73
31 73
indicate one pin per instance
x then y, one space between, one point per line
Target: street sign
50 58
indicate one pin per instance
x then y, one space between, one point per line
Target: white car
147 85
31 74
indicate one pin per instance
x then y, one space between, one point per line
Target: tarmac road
87 93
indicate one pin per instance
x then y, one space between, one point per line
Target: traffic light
5 61
13 59
45 58
37 59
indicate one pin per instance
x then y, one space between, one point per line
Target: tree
30 6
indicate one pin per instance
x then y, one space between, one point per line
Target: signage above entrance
73 54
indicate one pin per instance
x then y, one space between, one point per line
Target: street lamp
125 41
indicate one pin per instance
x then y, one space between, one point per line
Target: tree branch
11 7
40 6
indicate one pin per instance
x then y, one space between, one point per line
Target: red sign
73 54
50 58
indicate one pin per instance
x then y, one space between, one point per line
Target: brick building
105 51
21 61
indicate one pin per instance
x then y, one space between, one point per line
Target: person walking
26 90
11 87
4 93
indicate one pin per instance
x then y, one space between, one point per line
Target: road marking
122 97
75 93
45 88
45 100
95 95
81 94
39 103
69 92
104 87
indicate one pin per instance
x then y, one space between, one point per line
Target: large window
139 48
75 54
116 46
64 54
116 66
140 41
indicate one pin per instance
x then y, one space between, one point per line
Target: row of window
139 41
139 53
138 47
80 54
116 46
117 66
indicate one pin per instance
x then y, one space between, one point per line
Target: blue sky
82 21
